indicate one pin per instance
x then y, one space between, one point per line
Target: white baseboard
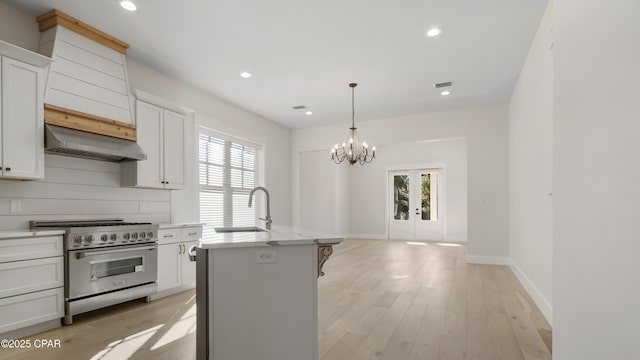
366 236
488 260
541 301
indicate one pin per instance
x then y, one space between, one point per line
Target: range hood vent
76 143
87 86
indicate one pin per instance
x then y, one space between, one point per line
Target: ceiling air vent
299 107
443 84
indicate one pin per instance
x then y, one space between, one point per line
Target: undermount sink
238 229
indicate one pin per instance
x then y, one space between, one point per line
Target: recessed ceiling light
308 113
128 5
245 74
433 32
445 93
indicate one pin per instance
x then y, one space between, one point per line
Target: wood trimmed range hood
87 92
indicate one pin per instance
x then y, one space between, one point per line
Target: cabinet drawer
25 310
168 236
192 233
20 277
30 248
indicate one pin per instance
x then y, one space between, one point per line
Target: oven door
95 271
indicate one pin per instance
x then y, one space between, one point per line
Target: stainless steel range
106 262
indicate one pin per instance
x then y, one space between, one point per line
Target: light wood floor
378 300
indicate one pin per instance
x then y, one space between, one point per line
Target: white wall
21 29
219 115
79 189
596 176
530 169
18 28
368 192
346 200
72 188
325 194
486 133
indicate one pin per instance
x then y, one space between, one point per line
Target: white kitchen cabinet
31 283
169 268
160 133
22 78
175 271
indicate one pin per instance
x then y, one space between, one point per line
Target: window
227 172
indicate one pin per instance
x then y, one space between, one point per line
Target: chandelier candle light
351 150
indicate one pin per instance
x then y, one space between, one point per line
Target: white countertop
279 235
12 234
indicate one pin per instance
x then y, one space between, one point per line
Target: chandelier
352 151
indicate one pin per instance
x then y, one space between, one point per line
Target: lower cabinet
30 309
31 284
169 266
175 271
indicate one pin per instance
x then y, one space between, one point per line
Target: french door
416 204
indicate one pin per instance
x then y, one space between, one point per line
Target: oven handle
80 255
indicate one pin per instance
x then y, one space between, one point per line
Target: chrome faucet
268 218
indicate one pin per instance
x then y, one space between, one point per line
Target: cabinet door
149 133
30 309
173 150
169 266
188 266
22 120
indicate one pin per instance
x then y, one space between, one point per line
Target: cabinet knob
7 169
0 168
166 182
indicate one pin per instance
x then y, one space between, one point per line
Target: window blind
227 174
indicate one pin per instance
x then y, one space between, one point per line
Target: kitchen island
257 293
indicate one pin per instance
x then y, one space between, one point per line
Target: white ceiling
304 52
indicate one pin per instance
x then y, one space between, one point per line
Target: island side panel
264 311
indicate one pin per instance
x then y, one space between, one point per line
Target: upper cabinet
161 136
22 79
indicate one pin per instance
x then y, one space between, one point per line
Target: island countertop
279 235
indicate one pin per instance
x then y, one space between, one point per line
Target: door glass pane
429 196
115 267
401 197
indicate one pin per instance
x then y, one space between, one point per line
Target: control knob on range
134 235
142 235
104 237
150 235
125 236
113 237
77 240
88 239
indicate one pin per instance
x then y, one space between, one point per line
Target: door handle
192 252
80 255
417 211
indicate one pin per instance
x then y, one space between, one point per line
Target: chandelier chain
353 107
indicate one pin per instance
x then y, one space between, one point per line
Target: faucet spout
267 219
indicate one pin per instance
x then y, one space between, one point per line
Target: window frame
227 190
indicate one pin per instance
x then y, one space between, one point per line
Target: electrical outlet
15 206
265 256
